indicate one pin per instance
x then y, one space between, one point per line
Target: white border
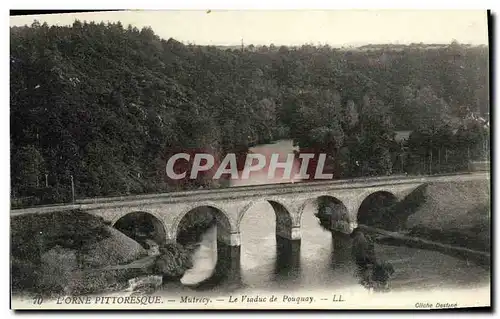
200 5
255 4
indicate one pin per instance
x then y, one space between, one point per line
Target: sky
295 27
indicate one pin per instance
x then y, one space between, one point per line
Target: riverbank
457 214
397 239
452 218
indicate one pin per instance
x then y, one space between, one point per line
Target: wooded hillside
107 104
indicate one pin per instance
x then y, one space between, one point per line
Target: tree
27 168
351 115
376 137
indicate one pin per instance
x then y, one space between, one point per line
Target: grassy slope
117 249
455 213
34 235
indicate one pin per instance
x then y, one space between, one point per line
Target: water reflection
320 261
287 257
341 250
269 260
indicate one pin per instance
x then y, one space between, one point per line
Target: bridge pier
341 248
288 241
228 265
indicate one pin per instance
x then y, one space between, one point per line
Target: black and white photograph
250 159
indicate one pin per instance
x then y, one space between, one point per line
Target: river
324 267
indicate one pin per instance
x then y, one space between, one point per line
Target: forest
101 107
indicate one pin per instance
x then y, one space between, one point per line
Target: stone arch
141 225
279 208
283 215
315 199
284 219
378 209
332 213
221 218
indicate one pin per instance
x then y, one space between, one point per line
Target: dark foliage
173 261
107 105
194 224
38 233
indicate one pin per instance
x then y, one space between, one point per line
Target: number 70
37 300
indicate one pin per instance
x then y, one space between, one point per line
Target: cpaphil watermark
194 164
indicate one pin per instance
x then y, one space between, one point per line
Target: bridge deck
251 191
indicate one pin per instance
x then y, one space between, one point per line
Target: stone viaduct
231 205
